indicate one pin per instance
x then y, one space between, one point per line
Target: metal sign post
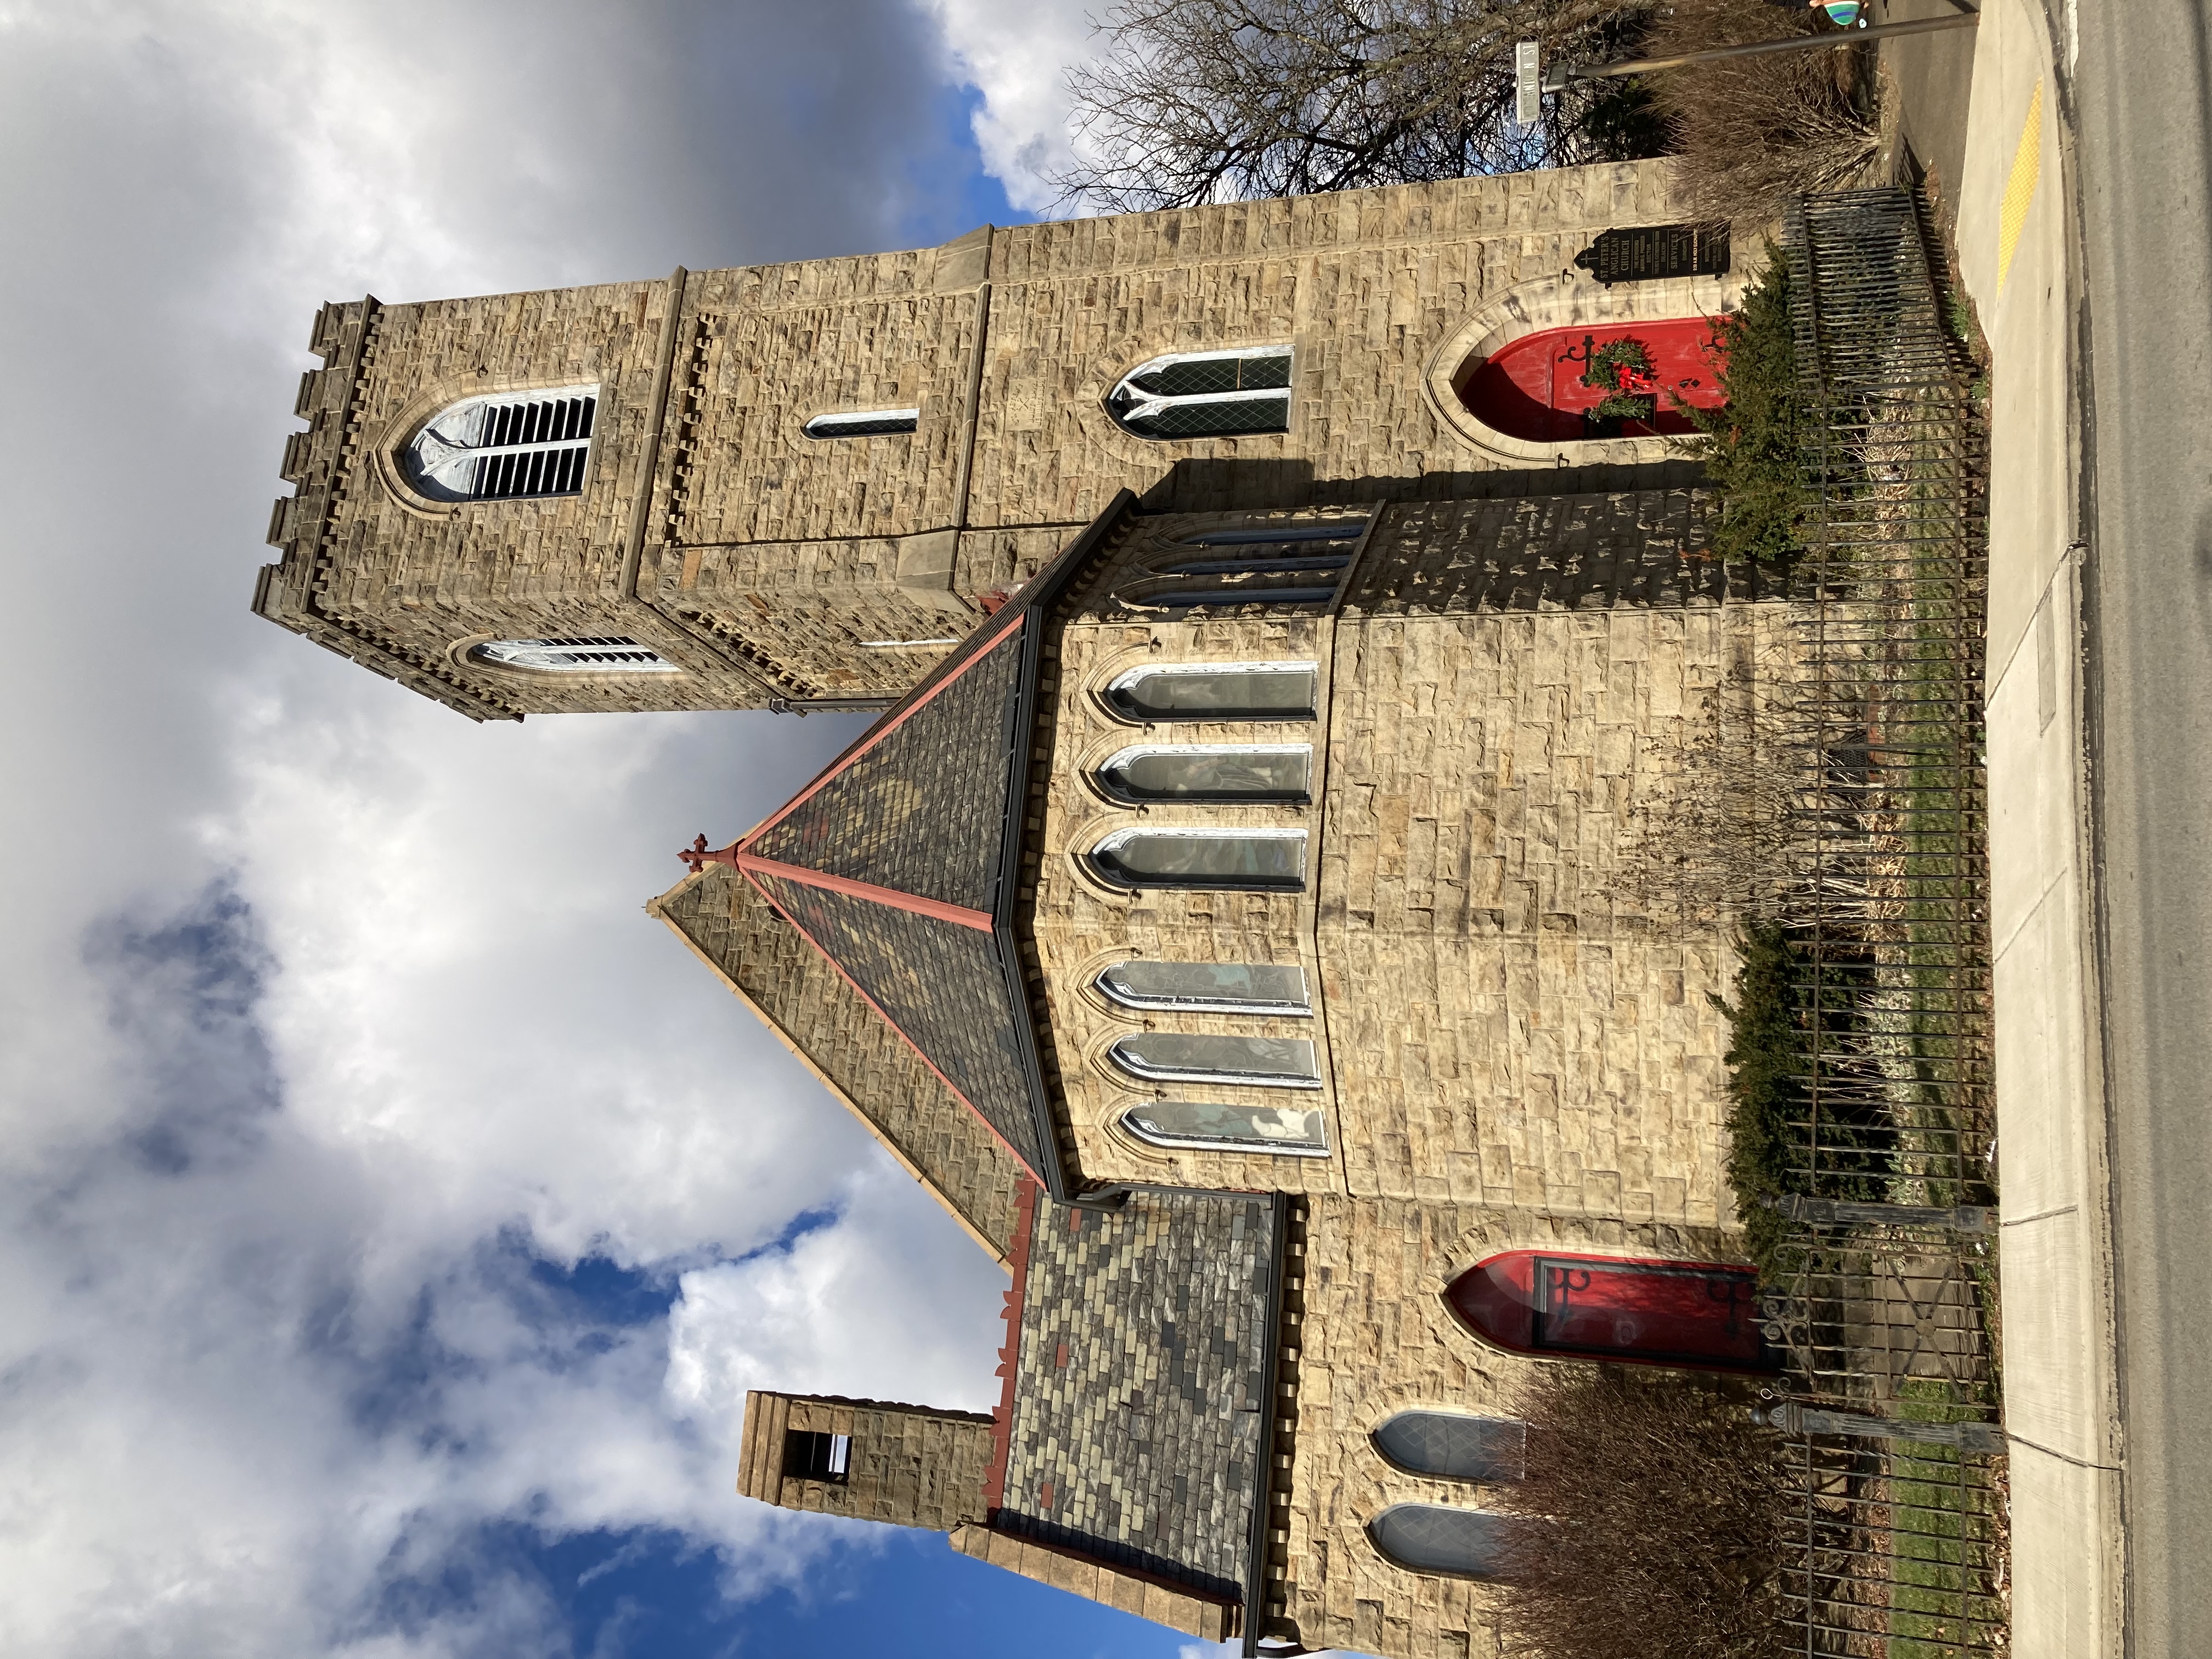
1527 84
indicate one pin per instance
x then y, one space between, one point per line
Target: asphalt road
2144 121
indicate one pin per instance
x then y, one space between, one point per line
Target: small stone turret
870 1459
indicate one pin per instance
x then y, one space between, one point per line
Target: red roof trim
1002 1416
951 1087
993 633
958 915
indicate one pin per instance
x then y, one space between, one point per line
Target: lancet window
1206 394
1216 691
594 654
1246 588
1217 1126
1275 772
863 423
1227 988
1454 1445
505 446
1442 1538
1198 1057
1237 860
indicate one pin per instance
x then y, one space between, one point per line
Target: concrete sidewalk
2015 237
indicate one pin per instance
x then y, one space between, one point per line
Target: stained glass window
1198 1057
1214 1126
1206 394
1442 1538
863 423
1233 988
1279 772
1258 860
1226 690
1454 1445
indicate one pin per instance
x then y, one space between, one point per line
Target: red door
1533 388
1702 1315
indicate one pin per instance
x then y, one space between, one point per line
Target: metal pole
1564 72
1789 1418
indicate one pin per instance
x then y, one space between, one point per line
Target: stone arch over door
1567 300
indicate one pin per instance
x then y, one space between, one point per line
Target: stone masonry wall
1548 1040
1377 1337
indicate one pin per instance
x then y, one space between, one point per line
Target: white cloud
1017 53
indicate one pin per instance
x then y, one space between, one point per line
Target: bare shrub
1655 1513
1753 131
1768 811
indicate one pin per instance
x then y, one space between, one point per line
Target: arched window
1441 1538
1279 772
1194 1057
1698 1315
863 423
1240 587
1229 988
1216 690
604 653
1347 531
1206 394
1234 860
1261 561
1456 1446
506 445
1209 1127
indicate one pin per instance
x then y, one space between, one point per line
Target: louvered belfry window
1206 394
601 652
507 446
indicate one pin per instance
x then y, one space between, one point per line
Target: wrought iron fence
1881 1296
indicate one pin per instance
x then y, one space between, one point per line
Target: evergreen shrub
1760 434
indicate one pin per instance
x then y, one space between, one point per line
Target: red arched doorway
1532 388
1698 1315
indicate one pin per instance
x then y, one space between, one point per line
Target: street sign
1527 84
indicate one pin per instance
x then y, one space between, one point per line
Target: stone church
1226 917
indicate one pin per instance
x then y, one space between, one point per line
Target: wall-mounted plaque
1642 253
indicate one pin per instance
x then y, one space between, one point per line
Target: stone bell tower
586 500
803 483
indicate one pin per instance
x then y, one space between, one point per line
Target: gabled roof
891 862
898 862
808 1005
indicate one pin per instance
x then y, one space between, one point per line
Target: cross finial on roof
698 857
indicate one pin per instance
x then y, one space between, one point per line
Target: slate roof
918 811
816 1011
1136 1432
921 809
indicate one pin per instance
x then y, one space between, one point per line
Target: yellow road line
2019 188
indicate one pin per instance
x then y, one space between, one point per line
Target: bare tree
1209 100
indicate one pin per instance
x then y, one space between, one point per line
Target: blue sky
392 1215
